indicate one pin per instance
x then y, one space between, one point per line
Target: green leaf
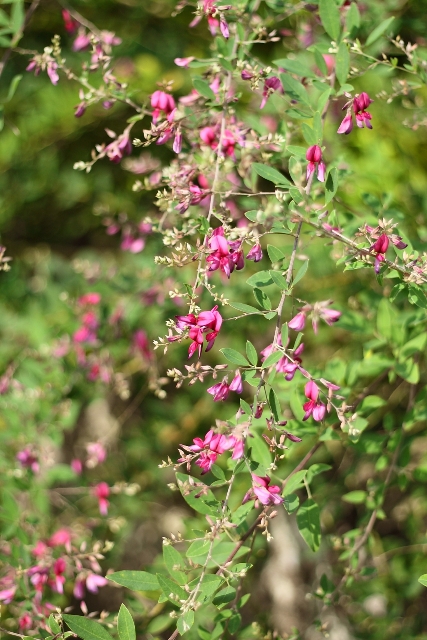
318 127
378 31
330 17
415 345
294 89
202 87
274 403
251 352
355 497
263 300
252 215
185 622
272 359
86 628
206 503
279 280
409 371
423 580
260 279
271 174
309 134
135 580
384 319
171 589
331 185
173 563
291 502
296 67
17 16
315 469
299 152
284 334
417 296
53 625
320 61
13 87
125 624
235 357
295 482
246 308
300 273
342 66
353 18
275 254
224 596
198 548
308 521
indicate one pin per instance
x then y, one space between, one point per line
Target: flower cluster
213 445
358 104
207 322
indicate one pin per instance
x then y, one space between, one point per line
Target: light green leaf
294 89
86 628
295 482
279 280
355 497
275 254
284 334
185 622
384 319
263 300
291 502
13 87
353 18
330 17
300 273
251 352
171 589
246 308
260 279
308 521
315 469
378 31
296 67
135 580
206 503
202 87
274 403
423 580
173 563
235 357
271 174
125 624
331 185
272 359
342 66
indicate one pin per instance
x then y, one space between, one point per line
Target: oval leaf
235 357
271 174
135 580
125 624
85 628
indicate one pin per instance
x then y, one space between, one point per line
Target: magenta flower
28 460
69 23
162 102
183 62
93 582
255 253
62 537
219 391
237 384
262 490
225 255
207 321
314 157
82 41
90 299
101 491
380 247
270 85
25 622
313 407
298 322
57 583
346 125
363 118
119 147
210 448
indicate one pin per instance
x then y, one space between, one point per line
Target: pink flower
184 62
25 622
89 299
93 582
61 537
161 102
261 489
225 255
346 125
219 391
69 23
58 569
314 157
141 344
255 253
206 321
82 41
102 491
270 85
97 454
77 466
119 147
237 384
28 460
224 27
7 595
298 322
313 407
213 445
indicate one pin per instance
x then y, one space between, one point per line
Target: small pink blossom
28 460
314 157
267 494
298 322
219 391
237 384
97 454
70 24
93 582
255 253
101 491
61 537
184 62
77 466
313 407
270 85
